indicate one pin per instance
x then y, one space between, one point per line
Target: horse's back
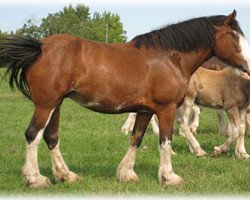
216 88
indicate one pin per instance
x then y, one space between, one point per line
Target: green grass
93 145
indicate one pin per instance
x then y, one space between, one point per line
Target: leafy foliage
30 29
2 34
78 21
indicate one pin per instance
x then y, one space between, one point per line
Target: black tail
17 54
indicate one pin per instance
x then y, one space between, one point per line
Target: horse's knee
50 138
235 133
30 134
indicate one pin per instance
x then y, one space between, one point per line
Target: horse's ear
230 18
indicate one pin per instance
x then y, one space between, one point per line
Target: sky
137 16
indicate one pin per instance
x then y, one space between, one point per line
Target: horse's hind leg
59 168
125 171
194 124
33 134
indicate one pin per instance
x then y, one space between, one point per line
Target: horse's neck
193 60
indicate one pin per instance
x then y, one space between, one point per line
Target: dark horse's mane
184 36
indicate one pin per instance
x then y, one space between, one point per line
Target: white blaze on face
245 49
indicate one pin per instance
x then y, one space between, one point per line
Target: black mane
219 19
184 36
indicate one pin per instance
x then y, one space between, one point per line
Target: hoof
242 155
218 151
202 154
171 179
127 175
38 182
69 177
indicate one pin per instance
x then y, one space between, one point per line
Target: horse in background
148 75
224 127
227 90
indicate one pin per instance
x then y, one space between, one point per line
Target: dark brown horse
147 75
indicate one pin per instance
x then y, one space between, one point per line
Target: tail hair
17 54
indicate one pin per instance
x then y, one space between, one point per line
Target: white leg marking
155 125
195 123
60 169
166 175
31 172
125 171
129 124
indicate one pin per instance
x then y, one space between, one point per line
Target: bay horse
148 75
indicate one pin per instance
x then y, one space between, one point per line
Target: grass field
92 145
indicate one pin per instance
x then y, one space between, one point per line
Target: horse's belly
109 105
209 100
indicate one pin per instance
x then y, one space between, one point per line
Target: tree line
77 21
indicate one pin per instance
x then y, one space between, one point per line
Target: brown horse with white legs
147 75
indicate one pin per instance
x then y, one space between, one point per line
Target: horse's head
231 46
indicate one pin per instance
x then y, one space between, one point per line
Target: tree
70 20
77 21
30 29
3 33
107 27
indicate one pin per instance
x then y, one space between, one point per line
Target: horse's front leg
125 171
235 122
59 168
166 117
